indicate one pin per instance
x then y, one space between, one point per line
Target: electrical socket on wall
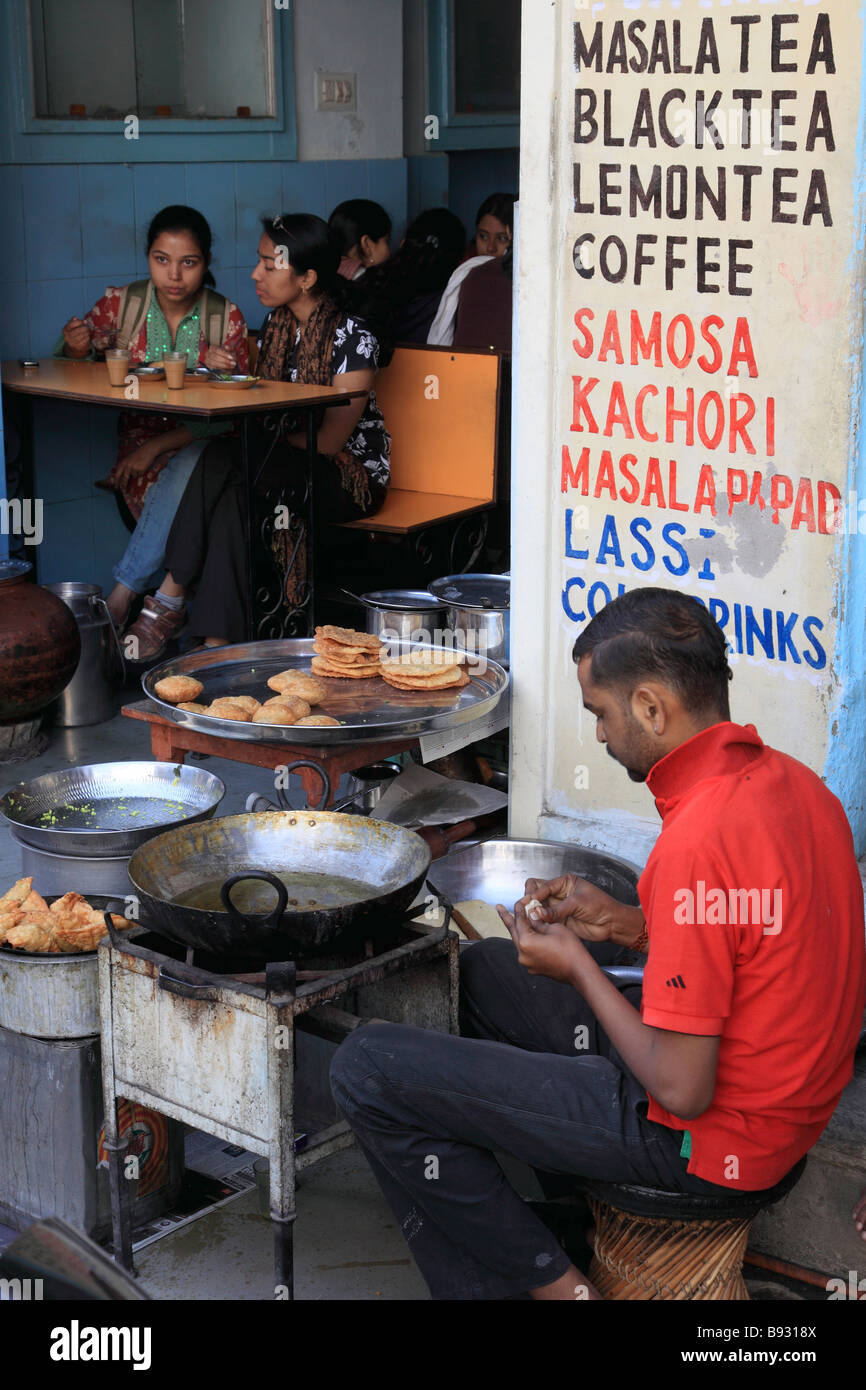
336 91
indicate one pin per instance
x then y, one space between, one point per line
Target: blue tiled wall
67 232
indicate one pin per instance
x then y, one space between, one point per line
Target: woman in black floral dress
310 337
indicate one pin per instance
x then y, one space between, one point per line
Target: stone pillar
689 376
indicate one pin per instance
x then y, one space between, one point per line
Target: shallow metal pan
496 871
106 810
369 710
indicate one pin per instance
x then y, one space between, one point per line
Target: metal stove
215 1046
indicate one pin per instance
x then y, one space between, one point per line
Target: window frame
42 139
459 130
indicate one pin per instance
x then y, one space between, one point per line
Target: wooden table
70 379
170 742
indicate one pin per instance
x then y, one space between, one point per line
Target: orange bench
441 407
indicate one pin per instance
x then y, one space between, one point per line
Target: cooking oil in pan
308 892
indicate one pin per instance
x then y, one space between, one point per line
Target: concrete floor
347 1245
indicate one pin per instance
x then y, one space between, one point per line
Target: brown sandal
147 638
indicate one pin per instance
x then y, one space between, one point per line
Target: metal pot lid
412 600
481 591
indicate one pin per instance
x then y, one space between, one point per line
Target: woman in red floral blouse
174 310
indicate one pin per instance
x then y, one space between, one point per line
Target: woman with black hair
494 224
361 229
400 298
309 336
175 309
494 228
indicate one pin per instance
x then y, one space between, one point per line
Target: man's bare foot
570 1287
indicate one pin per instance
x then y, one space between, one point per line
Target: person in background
362 230
494 223
309 336
175 309
400 297
484 305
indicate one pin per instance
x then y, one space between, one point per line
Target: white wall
360 36
803 685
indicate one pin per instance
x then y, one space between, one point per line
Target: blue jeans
143 560
429 1110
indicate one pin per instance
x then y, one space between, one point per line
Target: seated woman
361 229
400 298
494 229
176 309
308 337
484 306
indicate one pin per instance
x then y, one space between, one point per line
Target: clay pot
39 644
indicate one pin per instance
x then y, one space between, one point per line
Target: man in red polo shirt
752 1001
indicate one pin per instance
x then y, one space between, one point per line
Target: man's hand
76 337
543 948
219 360
590 913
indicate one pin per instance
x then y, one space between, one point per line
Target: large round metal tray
106 810
496 871
369 710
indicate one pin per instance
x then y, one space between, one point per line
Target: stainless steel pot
411 615
52 996
91 695
73 873
478 612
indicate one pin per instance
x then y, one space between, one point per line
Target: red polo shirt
754 909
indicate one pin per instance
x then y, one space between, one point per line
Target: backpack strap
132 311
214 317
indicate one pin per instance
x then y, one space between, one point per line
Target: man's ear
651 705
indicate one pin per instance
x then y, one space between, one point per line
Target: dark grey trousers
540 1080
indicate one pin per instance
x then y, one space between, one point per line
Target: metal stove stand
217 1051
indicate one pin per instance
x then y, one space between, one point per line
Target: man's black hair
664 635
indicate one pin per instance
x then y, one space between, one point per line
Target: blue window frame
29 139
466 129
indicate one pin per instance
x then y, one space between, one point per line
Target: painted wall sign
704 356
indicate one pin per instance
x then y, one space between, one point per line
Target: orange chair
442 410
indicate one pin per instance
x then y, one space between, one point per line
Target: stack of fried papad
437 669
346 654
69 924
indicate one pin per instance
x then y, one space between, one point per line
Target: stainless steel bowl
409 615
106 810
496 870
478 612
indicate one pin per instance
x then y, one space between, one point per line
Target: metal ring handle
268 919
314 767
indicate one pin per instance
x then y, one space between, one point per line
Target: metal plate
369 710
109 809
496 870
233 383
149 372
